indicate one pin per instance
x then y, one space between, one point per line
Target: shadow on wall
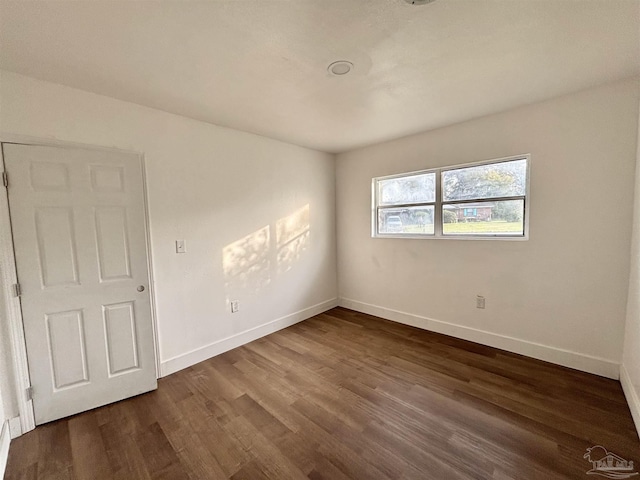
251 263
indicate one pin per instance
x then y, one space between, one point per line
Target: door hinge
17 290
29 393
5 179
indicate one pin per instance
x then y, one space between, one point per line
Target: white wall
213 187
630 370
561 295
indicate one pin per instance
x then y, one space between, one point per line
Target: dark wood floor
344 395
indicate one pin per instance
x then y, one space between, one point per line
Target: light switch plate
181 246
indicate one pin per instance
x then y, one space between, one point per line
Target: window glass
406 190
489 218
488 199
504 179
409 220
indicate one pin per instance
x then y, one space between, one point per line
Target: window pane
407 220
412 189
484 218
505 179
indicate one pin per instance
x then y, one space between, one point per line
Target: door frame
8 277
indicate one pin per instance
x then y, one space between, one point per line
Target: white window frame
438 204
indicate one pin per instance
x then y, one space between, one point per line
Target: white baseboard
185 360
5 440
632 395
567 358
15 427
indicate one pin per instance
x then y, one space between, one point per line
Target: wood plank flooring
344 396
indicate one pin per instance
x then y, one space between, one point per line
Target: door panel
49 177
55 234
112 239
122 344
107 179
80 242
67 348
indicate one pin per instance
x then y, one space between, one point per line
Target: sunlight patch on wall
246 263
251 263
292 234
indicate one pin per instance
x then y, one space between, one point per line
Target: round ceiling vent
419 2
341 67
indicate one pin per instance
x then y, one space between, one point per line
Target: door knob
141 288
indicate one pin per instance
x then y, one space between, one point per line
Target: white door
79 236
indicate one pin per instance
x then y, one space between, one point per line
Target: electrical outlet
480 301
181 246
235 306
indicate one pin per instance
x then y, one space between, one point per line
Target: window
483 200
406 204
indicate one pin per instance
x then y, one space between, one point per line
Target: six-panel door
79 233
